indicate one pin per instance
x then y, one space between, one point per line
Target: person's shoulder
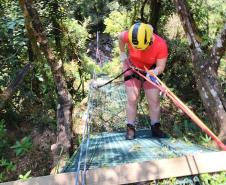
124 35
160 39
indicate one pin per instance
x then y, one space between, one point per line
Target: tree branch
13 86
218 50
188 23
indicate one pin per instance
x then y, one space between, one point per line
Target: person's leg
131 110
132 87
153 99
154 104
132 100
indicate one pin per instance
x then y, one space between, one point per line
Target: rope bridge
106 114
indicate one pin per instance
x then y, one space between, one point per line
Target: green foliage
89 65
116 22
3 138
209 19
7 165
26 176
22 147
2 177
222 74
75 33
214 179
13 41
216 16
205 140
179 73
2 129
173 29
93 10
204 179
112 68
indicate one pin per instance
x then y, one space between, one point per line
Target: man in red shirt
149 50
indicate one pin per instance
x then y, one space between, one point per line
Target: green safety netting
104 144
111 149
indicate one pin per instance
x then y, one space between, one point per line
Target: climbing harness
142 74
126 78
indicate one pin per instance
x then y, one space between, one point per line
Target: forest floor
38 159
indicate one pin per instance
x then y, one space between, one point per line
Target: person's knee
154 101
132 100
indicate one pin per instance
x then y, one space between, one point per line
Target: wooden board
138 172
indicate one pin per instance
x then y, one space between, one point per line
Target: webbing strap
134 75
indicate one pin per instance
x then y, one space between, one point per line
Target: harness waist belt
134 75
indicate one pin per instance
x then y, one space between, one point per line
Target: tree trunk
64 108
155 6
218 50
142 11
205 70
11 89
56 28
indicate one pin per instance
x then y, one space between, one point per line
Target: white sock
131 123
153 122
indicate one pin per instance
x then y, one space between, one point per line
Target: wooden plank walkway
139 172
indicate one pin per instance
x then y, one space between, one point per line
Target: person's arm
122 44
160 66
161 59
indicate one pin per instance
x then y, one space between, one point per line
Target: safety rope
99 86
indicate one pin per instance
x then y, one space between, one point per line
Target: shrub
23 146
7 165
76 34
116 22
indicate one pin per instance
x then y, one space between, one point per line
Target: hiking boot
157 132
130 132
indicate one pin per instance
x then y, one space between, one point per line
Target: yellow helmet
140 35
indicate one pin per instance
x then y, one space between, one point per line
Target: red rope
163 88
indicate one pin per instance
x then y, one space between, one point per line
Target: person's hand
155 71
152 78
123 56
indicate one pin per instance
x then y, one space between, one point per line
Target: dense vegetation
47 58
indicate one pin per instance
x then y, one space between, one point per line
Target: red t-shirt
140 58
